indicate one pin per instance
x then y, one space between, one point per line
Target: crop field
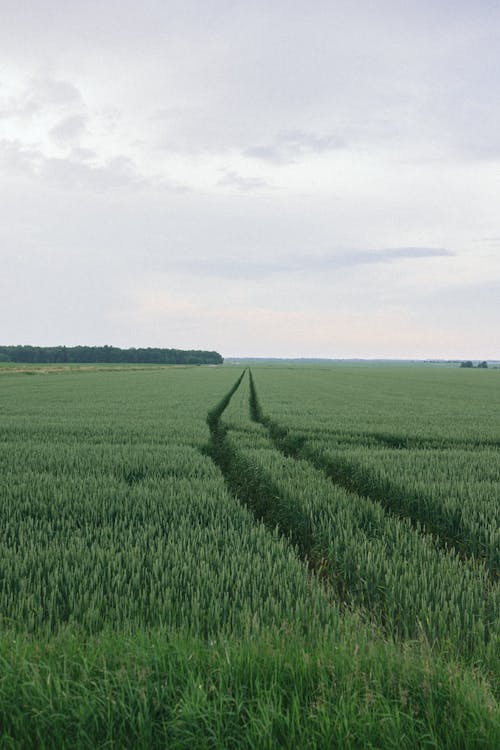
218 557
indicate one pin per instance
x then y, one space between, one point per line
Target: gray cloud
15 108
236 75
244 268
391 73
79 171
74 174
290 146
18 159
84 154
39 94
55 92
245 184
393 254
69 129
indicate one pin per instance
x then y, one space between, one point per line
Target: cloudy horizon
289 179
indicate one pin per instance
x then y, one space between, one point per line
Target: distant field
217 557
44 369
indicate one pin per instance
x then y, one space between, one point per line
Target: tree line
99 354
481 365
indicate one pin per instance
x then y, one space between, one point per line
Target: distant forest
89 354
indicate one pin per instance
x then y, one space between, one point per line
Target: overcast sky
287 178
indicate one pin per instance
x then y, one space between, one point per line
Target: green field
218 557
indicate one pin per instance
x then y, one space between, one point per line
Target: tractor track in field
255 490
281 512
409 443
346 475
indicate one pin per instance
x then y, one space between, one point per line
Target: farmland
213 557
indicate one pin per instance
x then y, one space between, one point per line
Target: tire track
354 479
254 489
346 575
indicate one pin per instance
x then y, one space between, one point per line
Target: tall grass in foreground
160 690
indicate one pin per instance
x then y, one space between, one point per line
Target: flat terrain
31 368
217 557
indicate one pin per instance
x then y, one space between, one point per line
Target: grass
11 368
159 589
164 690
